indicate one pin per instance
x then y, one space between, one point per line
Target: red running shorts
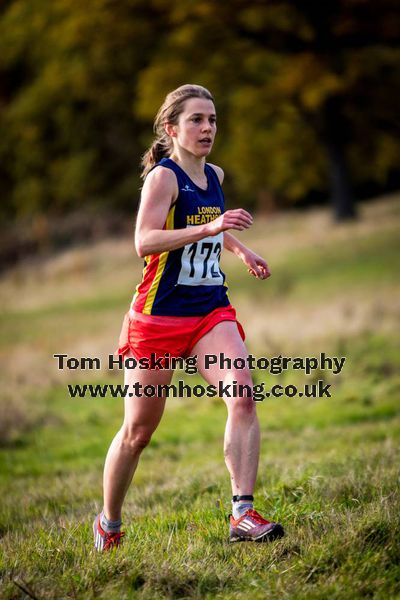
145 335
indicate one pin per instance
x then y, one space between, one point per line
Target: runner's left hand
256 265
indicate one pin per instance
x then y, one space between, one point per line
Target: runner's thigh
145 411
223 339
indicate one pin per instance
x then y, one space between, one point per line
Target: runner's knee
241 408
241 403
135 438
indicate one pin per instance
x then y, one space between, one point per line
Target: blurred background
306 94
307 97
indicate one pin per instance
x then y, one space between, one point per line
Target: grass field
329 468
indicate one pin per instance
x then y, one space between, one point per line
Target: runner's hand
256 265
237 218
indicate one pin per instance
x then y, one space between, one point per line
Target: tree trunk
335 132
341 193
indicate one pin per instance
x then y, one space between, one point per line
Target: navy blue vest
187 281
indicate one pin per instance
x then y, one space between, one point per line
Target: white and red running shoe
252 527
104 540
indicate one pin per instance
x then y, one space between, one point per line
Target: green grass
328 469
314 272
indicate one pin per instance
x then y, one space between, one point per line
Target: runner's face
196 127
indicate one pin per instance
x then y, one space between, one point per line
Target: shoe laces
113 539
256 516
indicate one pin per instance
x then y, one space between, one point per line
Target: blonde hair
169 112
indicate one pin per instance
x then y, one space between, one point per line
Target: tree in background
68 75
304 87
306 95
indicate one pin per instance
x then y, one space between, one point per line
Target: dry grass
328 469
73 302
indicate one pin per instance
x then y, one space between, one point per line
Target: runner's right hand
237 218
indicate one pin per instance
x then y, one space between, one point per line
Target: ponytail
159 149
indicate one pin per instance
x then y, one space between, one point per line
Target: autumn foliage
306 94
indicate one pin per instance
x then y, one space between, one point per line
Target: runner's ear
170 129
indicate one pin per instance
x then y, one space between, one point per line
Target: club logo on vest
187 188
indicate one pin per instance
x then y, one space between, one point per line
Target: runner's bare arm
159 192
255 264
232 244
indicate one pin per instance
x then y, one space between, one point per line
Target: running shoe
104 540
252 527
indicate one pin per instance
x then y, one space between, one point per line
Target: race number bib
200 262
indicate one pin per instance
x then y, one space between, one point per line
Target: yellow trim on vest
147 260
160 268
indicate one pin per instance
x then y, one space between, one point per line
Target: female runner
181 307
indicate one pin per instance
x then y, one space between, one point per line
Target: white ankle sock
240 507
110 526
